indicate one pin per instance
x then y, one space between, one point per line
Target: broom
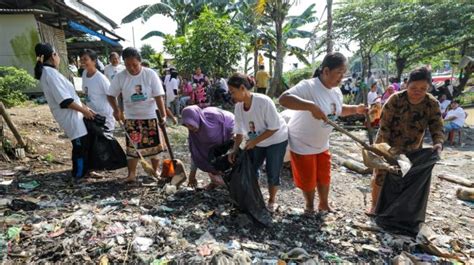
173 168
145 165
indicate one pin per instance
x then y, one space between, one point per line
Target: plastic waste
142 244
29 186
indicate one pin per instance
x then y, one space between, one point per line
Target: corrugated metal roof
25 11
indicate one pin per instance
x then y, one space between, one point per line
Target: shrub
13 82
295 76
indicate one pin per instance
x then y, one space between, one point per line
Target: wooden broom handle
376 151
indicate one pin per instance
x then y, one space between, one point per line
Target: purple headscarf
214 125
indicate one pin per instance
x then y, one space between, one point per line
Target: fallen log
465 194
10 124
357 167
457 179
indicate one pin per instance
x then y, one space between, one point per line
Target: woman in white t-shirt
316 100
95 86
142 93
257 120
65 106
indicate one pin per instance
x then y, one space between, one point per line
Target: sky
117 9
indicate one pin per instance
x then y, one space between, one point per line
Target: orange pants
311 170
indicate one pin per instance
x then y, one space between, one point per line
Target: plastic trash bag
242 183
105 152
402 202
218 156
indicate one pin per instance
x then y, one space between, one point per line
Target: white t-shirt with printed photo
111 71
261 116
139 92
308 135
95 89
56 89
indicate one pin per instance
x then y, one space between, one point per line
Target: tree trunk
270 62
369 64
255 56
464 74
462 83
400 64
246 63
330 44
13 129
276 85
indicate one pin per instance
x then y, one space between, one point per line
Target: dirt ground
107 220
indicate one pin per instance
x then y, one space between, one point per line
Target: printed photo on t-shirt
332 116
138 95
252 134
86 94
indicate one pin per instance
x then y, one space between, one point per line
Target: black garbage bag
402 202
105 152
242 183
218 156
19 204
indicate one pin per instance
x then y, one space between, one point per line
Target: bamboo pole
390 159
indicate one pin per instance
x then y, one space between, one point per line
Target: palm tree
181 11
277 10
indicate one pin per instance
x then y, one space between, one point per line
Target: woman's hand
231 157
361 109
88 113
438 148
318 113
250 144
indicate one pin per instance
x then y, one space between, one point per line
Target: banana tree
286 27
181 11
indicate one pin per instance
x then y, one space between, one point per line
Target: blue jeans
274 155
450 126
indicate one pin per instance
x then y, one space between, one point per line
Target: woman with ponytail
316 100
65 106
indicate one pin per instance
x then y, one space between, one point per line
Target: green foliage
466 99
156 61
411 31
183 12
295 76
146 51
210 42
13 82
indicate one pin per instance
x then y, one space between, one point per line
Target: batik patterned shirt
403 125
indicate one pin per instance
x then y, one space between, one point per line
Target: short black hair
91 53
238 79
261 67
131 52
420 74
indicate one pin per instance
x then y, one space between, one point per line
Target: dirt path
137 224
